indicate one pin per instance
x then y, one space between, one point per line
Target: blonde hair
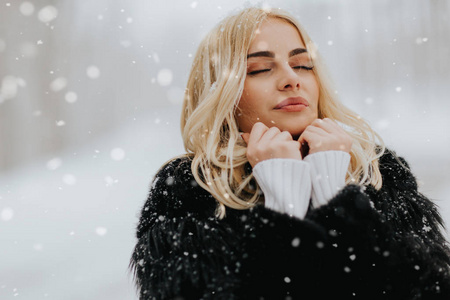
210 131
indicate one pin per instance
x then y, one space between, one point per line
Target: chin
296 131
299 128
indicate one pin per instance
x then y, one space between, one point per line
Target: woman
274 198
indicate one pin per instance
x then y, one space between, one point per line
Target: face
280 87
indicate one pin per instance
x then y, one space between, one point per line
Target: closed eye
258 71
303 67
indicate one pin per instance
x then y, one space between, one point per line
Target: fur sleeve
181 250
185 257
401 204
411 214
343 249
404 268
340 250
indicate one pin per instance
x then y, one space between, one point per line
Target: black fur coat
364 244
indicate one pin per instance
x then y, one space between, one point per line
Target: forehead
276 35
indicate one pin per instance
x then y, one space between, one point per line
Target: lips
292 101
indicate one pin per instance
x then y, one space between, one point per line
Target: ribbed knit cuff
286 184
328 170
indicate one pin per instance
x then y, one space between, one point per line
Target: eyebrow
261 53
272 55
297 51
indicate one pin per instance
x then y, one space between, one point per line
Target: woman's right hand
265 143
325 135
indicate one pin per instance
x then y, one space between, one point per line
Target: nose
289 79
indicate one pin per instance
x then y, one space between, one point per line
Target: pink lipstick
292 104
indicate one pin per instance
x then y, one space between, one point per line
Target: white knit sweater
290 184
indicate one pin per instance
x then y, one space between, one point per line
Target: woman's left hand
324 135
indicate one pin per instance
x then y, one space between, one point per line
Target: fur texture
365 244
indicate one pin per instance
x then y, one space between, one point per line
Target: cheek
245 106
314 90
246 102
246 111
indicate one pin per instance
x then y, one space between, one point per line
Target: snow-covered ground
67 221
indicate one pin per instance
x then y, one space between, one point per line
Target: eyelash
304 67
266 70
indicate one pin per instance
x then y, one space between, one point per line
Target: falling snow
69 179
7 214
47 14
101 231
60 123
91 186
58 84
54 163
164 77
369 100
295 242
125 43
117 154
71 97
420 40
26 8
109 181
9 87
38 247
93 72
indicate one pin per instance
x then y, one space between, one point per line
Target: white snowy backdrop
90 95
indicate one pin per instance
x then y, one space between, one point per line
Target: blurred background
90 97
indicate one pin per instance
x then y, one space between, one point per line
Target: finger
257 132
245 136
339 127
283 136
324 124
332 123
313 130
270 134
313 137
303 139
307 137
328 125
